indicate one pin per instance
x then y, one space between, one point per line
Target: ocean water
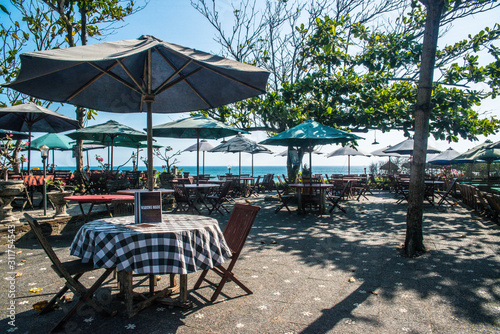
257 170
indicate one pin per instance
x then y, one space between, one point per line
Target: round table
133 191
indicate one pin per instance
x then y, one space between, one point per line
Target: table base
162 296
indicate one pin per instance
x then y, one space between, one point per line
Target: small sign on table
147 207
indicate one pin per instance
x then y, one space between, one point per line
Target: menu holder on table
148 207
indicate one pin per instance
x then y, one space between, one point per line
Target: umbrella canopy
145 74
204 147
347 150
240 144
285 153
381 152
445 158
109 132
14 134
197 126
54 141
406 147
487 152
310 134
30 117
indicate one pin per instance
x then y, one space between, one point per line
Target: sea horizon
257 170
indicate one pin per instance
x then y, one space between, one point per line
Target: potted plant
56 194
8 188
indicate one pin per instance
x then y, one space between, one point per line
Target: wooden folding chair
444 194
236 232
283 195
71 271
184 201
335 199
218 200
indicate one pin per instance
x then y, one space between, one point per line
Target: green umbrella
487 152
109 132
197 126
310 134
54 141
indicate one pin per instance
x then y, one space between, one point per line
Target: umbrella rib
114 76
128 72
167 85
78 91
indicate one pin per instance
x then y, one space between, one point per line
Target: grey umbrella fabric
406 147
109 132
204 147
144 74
14 134
240 144
30 117
347 150
445 158
197 126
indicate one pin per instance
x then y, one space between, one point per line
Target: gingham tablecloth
181 244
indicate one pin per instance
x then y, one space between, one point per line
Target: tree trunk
293 170
414 243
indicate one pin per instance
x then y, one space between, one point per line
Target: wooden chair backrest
37 231
238 226
180 192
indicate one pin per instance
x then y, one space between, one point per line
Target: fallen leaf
35 290
23 261
68 299
19 252
352 280
19 274
40 305
374 292
273 242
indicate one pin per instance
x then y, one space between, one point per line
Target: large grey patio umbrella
30 117
308 135
347 150
109 132
406 147
197 126
138 75
381 152
204 146
445 158
240 144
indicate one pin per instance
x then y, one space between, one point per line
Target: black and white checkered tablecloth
181 244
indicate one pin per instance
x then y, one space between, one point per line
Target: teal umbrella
53 141
109 132
310 134
197 126
486 152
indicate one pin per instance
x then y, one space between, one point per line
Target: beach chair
71 271
236 233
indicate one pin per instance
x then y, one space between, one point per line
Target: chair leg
86 298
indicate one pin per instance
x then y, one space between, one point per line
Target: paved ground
334 274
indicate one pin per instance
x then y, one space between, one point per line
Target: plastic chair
236 233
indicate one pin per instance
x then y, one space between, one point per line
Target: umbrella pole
197 156
29 151
252 165
53 162
203 162
239 159
349 164
149 101
88 165
112 149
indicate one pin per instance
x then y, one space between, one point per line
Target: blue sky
177 22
